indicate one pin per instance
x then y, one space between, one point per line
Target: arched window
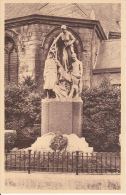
11 61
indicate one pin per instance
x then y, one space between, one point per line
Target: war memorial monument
62 108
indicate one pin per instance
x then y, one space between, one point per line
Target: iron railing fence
76 162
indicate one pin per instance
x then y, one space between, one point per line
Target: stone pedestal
61 117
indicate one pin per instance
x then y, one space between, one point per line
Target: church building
30 29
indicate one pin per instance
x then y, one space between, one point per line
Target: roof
14 10
108 14
109 54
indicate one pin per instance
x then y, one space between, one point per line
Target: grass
53 181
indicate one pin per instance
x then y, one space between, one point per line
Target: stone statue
63 43
63 79
61 89
76 75
50 73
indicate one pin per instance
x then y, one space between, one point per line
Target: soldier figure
76 75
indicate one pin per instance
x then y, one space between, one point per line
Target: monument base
61 116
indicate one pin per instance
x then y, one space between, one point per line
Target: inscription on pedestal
61 117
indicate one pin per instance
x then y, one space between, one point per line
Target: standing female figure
66 48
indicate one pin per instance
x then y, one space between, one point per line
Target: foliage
59 143
27 136
9 138
102 117
23 110
22 107
28 81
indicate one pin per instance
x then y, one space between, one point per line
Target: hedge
10 137
102 118
23 112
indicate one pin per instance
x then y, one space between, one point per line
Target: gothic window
11 61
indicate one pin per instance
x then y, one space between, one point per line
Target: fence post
53 162
82 164
87 162
15 160
96 163
110 161
29 157
48 161
34 160
115 162
77 153
101 163
119 164
72 161
106 164
20 162
91 161
67 161
6 160
24 160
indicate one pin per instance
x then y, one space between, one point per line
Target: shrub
9 139
22 107
23 110
102 117
27 136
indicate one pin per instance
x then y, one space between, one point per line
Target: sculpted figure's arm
72 39
56 39
59 66
58 63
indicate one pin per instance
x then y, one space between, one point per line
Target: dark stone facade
34 34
